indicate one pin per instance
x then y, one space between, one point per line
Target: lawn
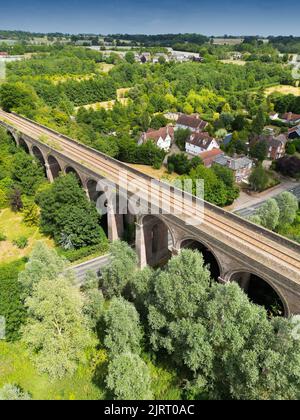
284 89
17 368
106 68
108 105
12 226
237 62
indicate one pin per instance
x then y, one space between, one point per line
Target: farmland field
284 89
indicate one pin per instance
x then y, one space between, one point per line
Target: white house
163 138
200 142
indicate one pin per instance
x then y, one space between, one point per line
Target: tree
68 216
291 148
17 97
129 57
259 179
123 333
269 214
259 122
158 121
16 202
93 300
178 292
288 207
43 263
11 305
129 378
56 332
27 172
13 393
116 276
180 162
181 135
259 151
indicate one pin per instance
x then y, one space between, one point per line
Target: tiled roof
192 122
202 140
161 133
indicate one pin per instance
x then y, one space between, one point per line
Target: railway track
98 164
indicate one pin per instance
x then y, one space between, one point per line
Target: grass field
284 89
106 68
107 105
160 174
237 62
17 368
12 227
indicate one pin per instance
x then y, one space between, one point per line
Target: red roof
193 122
289 116
209 157
157 134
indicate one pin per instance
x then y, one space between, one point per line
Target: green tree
68 216
56 332
259 151
129 57
93 300
181 135
18 97
11 305
259 122
269 214
27 172
123 333
129 378
116 276
43 263
259 179
288 207
13 393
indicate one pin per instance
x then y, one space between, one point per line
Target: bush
2 237
11 306
21 242
13 393
73 255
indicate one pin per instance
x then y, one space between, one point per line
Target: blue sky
210 17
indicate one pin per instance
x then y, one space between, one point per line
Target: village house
191 122
294 133
3 54
241 166
163 138
274 116
276 145
209 157
290 118
200 142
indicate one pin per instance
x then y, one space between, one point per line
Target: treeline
166 40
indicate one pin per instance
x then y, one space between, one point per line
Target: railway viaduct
236 249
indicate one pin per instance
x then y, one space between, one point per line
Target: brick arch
157 233
70 169
206 247
24 145
252 272
54 165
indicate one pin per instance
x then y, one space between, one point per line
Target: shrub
2 237
73 255
21 242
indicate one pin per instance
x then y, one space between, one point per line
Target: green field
17 368
12 226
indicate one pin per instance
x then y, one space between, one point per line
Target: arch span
158 240
71 170
95 193
24 145
209 257
37 153
54 166
261 292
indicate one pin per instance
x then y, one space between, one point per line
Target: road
93 266
249 211
264 246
